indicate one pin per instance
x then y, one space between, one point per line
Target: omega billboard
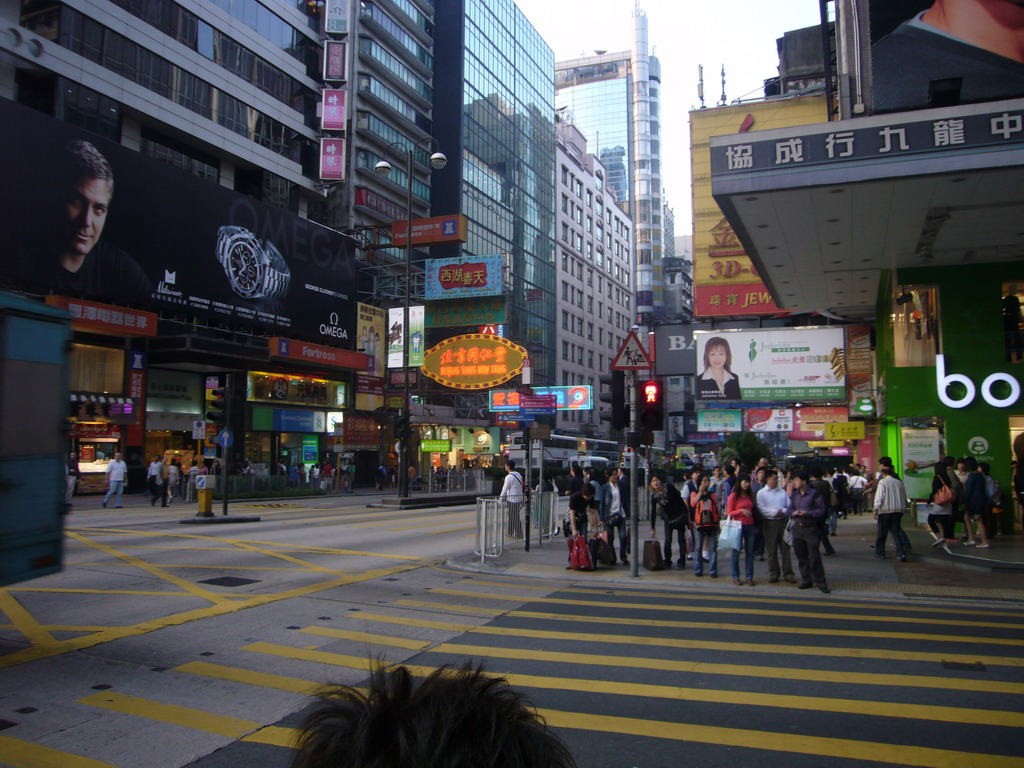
87 217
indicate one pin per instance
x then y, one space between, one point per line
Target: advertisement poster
166 239
768 420
370 334
396 337
416 336
720 421
332 117
809 423
910 54
787 364
578 398
921 449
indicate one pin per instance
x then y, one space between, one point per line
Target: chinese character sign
460 277
333 115
332 159
474 361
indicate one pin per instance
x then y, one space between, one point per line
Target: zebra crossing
639 677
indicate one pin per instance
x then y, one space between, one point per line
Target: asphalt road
133 658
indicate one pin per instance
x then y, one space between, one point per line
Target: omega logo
333 329
942 382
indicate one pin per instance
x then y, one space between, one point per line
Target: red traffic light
652 392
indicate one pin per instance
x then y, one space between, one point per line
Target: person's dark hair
576 470
803 475
984 467
738 489
730 470
885 461
714 343
940 469
587 490
770 473
510 463
455 718
816 472
87 162
949 461
970 463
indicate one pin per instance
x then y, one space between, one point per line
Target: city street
180 645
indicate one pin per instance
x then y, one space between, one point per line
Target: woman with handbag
941 512
740 507
706 517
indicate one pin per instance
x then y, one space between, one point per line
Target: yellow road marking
669 642
206 567
930 713
23 754
248 677
871 603
187 717
732 610
894 754
444 608
196 719
154 570
452 530
22 620
367 637
680 624
56 648
741 670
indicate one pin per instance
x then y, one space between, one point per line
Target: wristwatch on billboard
255 269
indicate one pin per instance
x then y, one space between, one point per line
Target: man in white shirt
772 503
512 495
858 486
155 476
117 472
890 503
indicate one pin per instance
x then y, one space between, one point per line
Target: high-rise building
494 118
216 123
594 275
614 98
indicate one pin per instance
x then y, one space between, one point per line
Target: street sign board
632 355
537 405
225 438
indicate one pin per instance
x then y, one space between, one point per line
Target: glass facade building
494 118
614 100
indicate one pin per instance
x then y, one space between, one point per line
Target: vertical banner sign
396 337
336 17
332 117
416 336
332 159
136 389
370 335
334 60
921 449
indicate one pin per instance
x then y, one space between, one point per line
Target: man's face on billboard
86 210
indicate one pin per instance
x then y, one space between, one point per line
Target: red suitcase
579 554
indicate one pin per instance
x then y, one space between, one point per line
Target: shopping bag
653 560
731 534
579 554
604 552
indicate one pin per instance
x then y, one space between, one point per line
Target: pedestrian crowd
784 517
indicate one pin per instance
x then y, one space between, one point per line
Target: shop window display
915 325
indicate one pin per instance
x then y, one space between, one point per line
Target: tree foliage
745 446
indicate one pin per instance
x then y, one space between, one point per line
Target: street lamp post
437 162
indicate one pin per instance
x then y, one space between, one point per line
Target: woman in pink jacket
740 506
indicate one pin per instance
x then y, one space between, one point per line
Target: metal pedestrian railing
500 522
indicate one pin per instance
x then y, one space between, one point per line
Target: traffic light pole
634 496
228 395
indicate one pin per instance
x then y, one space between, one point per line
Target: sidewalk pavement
956 571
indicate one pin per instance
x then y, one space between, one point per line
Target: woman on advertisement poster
718 382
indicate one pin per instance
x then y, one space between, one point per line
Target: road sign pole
527 474
634 496
228 397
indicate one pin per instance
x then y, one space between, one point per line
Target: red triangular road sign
632 356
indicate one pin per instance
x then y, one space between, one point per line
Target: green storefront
947 383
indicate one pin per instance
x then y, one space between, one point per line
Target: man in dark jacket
806 507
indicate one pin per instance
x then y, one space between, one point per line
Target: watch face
243 268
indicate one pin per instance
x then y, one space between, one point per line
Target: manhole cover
229 581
